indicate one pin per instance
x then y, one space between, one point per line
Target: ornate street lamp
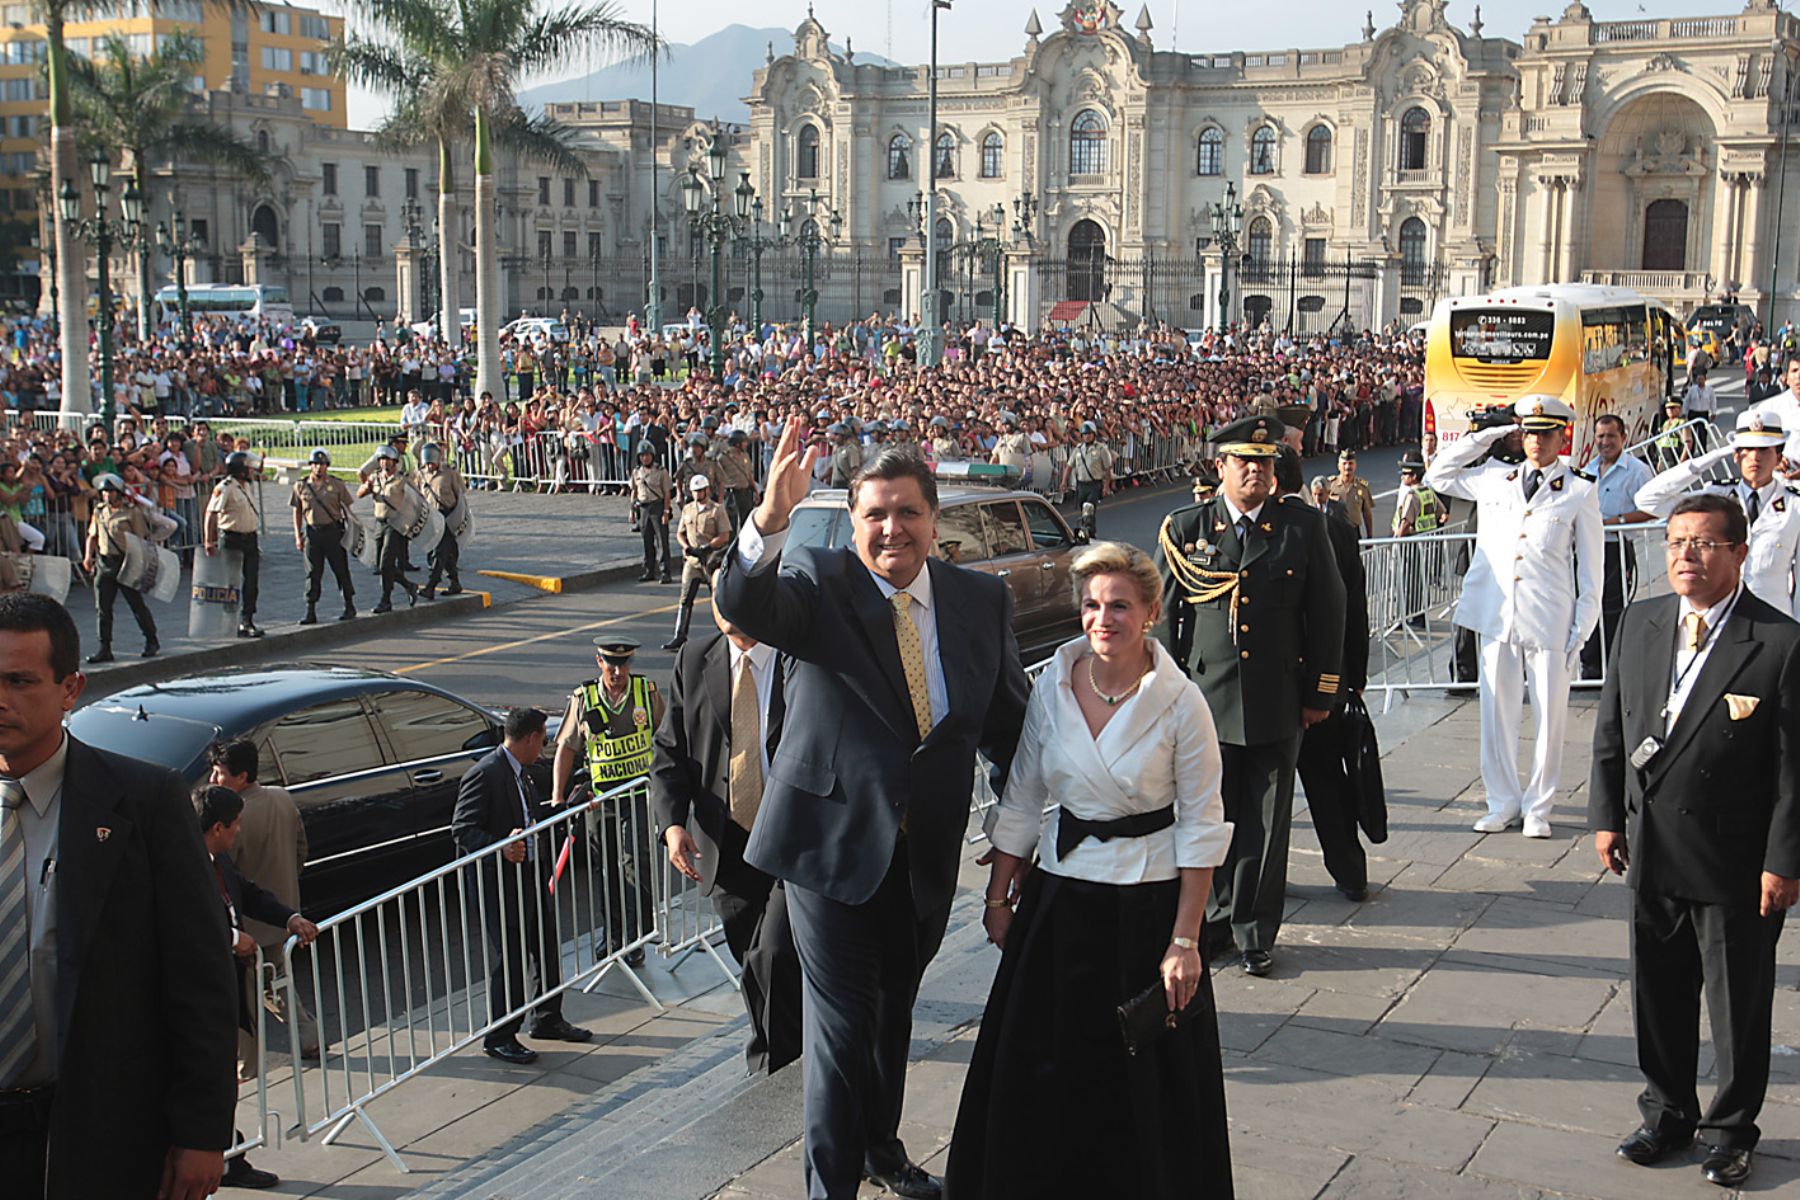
811 236
757 243
1227 226
180 246
100 233
716 227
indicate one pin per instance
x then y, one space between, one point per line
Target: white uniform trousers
1506 671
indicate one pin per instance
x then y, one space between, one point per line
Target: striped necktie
18 1023
912 659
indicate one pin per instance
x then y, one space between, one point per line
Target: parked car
1015 536
1723 318
527 328
373 760
323 330
428 328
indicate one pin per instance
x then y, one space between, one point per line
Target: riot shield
213 613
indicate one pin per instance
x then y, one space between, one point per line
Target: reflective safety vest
1670 439
1429 517
618 742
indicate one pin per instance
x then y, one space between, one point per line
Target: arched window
1262 240
374 295
1318 150
262 141
265 223
1415 131
1413 266
332 295
1210 158
1087 144
992 146
946 155
808 167
899 157
1087 262
1262 151
946 237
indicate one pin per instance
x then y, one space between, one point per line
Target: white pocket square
1741 706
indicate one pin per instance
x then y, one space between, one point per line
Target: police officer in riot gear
116 515
442 485
389 488
321 504
232 520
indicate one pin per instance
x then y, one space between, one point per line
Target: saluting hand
790 475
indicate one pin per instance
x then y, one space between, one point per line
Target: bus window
1604 337
1496 335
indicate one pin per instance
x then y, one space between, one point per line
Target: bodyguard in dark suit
123 1028
903 666
1256 614
1695 798
1321 763
728 688
498 799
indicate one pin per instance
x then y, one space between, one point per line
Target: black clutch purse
1146 1017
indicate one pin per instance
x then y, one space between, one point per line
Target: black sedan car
373 760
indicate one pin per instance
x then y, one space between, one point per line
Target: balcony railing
1663 30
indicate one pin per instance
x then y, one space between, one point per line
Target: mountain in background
712 76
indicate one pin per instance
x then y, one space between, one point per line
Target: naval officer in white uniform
1770 502
1532 594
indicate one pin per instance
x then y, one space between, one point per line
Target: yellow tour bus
1601 349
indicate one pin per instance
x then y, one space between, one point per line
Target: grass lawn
382 415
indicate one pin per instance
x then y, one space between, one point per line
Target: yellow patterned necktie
1696 623
912 659
745 783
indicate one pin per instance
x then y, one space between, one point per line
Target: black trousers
861 965
325 545
246 545
1328 798
738 505
1679 950
1250 890
444 561
390 561
1089 493
621 841
107 590
1618 581
655 528
752 907
519 917
25 1141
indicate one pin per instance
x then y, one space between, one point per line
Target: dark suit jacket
850 761
692 765
1720 803
488 804
146 991
1346 551
255 903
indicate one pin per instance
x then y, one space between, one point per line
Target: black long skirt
1053 1105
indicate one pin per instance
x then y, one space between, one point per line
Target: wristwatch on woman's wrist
1184 943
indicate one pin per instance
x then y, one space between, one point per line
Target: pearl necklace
1112 701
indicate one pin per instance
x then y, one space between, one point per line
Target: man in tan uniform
231 519
704 531
443 486
1012 449
1354 494
321 505
270 852
696 462
653 496
731 474
394 496
846 454
115 516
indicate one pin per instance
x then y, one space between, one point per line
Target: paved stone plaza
1464 1033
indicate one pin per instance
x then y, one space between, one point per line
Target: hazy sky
993 30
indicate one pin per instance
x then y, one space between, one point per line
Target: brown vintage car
1012 535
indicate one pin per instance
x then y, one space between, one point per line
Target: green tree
138 108
460 65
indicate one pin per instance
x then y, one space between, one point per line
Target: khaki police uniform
1532 596
390 493
238 524
652 491
702 521
612 737
692 465
1091 465
846 461
736 485
108 528
1357 499
443 486
324 509
1012 450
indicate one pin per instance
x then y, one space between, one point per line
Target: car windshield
168 741
821 527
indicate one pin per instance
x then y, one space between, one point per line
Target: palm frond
543 140
203 141
583 33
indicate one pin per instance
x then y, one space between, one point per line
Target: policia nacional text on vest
618 740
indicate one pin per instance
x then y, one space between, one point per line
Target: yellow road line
542 637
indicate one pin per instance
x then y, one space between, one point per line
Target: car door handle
1046 566
1001 574
429 776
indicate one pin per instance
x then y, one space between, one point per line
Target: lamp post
757 243
428 279
100 233
811 237
716 226
141 242
1025 207
931 334
1227 225
179 246
1787 113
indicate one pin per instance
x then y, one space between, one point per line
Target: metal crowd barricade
264 974
401 982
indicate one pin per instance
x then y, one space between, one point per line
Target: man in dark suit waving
712 757
1695 798
117 1044
903 666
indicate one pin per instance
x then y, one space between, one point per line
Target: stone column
1747 258
406 281
1546 243
251 252
1725 214
1567 231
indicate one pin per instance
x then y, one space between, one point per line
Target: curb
298 641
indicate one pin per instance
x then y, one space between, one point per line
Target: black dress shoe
103 655
1645 1146
674 643
311 617
455 589
1725 1166
428 592
1258 962
647 577
152 648
349 613
386 606
249 630
910 1180
1355 895
556 1029
240 1174
510 1051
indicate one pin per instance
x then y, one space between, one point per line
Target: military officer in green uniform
608 726
1256 614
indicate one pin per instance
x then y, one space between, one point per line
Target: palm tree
430 108
479 51
138 107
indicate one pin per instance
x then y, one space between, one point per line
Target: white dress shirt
526 819
1159 748
759 660
756 550
41 817
1689 663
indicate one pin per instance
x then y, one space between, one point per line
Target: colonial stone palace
1424 160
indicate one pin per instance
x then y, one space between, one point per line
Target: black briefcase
1362 763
